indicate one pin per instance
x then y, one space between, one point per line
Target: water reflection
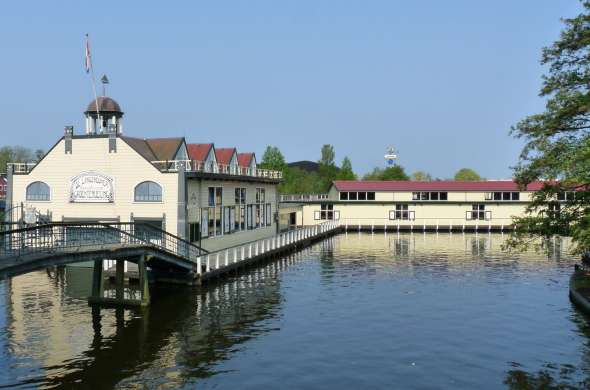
353 311
56 340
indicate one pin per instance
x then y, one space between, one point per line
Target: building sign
91 187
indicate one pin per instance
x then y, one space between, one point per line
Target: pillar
97 280
143 281
120 279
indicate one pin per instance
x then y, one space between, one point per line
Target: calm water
356 311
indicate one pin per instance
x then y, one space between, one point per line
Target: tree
395 172
346 172
328 170
467 174
273 159
557 142
328 155
11 154
421 176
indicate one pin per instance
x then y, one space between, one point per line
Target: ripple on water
354 311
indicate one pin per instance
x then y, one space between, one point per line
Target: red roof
491 185
198 152
224 155
245 159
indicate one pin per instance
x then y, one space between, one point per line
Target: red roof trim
492 185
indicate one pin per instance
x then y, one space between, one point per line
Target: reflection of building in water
183 328
454 248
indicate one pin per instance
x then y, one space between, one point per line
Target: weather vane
104 80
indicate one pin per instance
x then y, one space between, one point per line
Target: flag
88 61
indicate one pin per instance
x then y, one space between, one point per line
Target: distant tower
108 117
390 156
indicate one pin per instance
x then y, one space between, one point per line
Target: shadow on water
180 337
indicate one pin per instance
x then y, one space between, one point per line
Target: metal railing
213 167
303 197
243 252
63 237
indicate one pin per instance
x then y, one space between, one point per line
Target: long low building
414 205
215 197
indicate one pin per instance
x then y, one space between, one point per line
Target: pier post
120 279
97 280
143 281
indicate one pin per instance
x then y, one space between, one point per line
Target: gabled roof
198 152
141 147
165 148
447 185
224 155
245 159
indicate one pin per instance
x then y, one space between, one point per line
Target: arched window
38 191
148 191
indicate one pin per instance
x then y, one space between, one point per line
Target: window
566 195
194 232
478 212
260 195
429 195
553 210
38 191
502 196
268 214
148 191
327 212
250 216
240 211
215 213
401 212
240 196
360 195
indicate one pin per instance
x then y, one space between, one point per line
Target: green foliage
9 154
395 172
467 174
328 169
273 159
298 181
557 141
328 155
346 172
421 176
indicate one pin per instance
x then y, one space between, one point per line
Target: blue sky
442 81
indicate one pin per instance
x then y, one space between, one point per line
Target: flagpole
91 68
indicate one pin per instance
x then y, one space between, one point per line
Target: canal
412 311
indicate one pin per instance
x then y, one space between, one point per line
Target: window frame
161 200
28 199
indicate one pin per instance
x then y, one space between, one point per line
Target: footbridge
168 257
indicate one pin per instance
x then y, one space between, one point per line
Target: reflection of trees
555 376
185 329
